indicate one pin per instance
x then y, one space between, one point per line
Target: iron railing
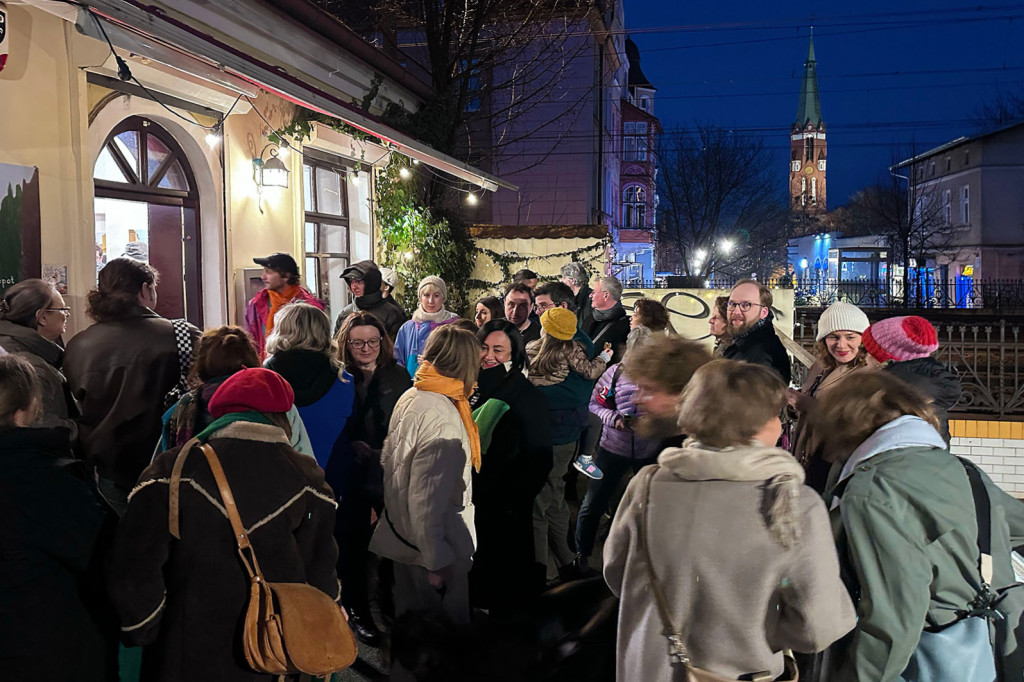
987 356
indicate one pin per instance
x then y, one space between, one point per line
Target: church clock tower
808 147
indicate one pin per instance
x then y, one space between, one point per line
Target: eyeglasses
359 344
742 305
66 311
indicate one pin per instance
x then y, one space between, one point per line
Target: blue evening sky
910 73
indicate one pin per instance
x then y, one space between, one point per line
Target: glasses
744 306
359 344
66 311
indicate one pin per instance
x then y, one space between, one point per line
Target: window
949 163
645 103
803 191
814 191
808 148
821 164
634 207
967 157
965 205
947 206
327 238
634 141
795 167
931 170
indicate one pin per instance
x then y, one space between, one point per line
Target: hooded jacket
906 531
59 406
257 315
390 314
736 593
324 400
412 339
931 376
761 346
120 371
621 442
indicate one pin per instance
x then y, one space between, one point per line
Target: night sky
743 69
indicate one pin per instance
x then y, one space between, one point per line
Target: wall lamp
270 171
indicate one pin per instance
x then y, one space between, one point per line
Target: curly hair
220 352
653 314
117 288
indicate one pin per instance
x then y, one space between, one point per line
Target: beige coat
738 596
820 381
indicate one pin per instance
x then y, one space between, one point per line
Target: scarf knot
429 379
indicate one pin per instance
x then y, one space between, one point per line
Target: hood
368 272
698 462
310 373
930 376
903 432
15 338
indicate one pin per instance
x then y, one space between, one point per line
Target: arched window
634 207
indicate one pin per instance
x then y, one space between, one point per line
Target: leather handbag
963 651
676 638
289 627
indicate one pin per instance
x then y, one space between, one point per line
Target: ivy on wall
510 262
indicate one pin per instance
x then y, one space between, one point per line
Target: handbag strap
226 496
677 649
983 511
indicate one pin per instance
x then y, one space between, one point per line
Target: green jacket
906 533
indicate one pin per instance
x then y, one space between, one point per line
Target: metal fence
986 356
919 293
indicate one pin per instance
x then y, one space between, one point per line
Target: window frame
323 163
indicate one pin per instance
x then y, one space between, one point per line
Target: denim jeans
599 492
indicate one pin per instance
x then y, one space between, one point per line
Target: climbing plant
511 261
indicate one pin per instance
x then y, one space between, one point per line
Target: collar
903 432
370 300
614 313
757 328
33 341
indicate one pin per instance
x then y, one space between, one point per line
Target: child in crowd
554 355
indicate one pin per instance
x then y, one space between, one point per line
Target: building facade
808 146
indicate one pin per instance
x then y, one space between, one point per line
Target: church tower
808 147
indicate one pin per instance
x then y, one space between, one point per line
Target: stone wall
996 447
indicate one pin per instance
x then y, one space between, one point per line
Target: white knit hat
433 281
841 317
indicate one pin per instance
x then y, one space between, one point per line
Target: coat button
864 468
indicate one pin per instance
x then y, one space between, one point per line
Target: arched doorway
147 207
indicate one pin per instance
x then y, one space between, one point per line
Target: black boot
363 627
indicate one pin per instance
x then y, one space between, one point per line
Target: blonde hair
728 401
665 361
552 356
301 326
454 353
842 420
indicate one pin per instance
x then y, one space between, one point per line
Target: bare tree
720 206
1005 108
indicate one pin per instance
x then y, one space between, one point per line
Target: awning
164 23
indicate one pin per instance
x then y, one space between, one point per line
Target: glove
605 355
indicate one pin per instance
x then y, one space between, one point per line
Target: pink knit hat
900 338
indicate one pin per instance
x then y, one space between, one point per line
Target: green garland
507 261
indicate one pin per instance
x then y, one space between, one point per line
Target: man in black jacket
364 281
753 333
607 321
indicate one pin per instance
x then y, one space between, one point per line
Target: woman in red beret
183 598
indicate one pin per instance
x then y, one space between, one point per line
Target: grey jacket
739 597
59 406
429 516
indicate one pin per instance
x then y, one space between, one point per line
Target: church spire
809 107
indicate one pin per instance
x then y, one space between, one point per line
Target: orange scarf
278 299
429 379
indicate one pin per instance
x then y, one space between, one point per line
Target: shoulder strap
615 377
183 342
983 511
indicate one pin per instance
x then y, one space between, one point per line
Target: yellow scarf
279 299
429 379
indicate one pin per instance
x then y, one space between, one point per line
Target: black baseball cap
282 262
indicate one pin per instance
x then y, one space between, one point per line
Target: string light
471 199
404 173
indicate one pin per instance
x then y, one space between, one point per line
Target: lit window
634 207
634 141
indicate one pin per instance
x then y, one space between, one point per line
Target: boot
364 628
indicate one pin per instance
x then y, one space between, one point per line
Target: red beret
252 390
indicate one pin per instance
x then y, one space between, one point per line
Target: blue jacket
412 338
570 401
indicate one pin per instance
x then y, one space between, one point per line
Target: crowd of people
425 471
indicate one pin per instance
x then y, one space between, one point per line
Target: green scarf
487 417
230 418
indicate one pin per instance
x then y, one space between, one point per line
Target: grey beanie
433 280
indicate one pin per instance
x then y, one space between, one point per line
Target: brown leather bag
676 640
289 627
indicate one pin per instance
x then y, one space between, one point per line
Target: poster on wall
20 255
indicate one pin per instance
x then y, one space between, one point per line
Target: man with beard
365 282
752 331
518 305
661 368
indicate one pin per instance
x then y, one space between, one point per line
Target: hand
373 516
607 345
344 612
605 355
619 423
436 579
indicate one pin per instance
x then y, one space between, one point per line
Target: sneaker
585 465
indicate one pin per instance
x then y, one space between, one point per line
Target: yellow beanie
559 323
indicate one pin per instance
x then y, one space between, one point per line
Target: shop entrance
147 207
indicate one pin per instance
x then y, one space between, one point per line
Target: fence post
1002 367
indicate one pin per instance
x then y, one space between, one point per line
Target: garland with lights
508 262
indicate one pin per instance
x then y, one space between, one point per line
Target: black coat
614 330
51 525
185 599
375 401
761 346
513 470
932 378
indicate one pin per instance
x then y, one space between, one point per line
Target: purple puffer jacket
624 443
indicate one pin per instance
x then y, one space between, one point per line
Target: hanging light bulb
213 137
471 199
404 173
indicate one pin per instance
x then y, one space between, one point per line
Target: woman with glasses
365 350
33 318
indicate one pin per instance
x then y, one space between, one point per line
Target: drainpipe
600 135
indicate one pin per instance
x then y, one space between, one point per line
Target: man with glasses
752 330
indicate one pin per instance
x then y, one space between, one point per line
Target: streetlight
726 246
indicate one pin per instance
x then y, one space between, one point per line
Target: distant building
633 233
972 188
808 146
